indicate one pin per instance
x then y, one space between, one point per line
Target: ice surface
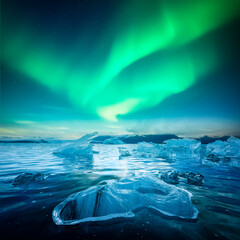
223 152
79 148
123 151
113 140
122 199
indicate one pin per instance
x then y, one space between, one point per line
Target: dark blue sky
70 67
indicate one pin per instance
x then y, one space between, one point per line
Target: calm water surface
26 211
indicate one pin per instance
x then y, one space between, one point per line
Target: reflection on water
26 211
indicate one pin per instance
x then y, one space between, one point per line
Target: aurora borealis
114 62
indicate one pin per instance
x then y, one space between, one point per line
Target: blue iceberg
223 153
80 148
113 140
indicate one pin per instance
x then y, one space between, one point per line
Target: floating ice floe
27 178
223 152
113 140
123 151
122 199
172 177
79 148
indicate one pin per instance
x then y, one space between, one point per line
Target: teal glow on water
25 211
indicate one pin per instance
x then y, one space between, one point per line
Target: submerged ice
27 178
122 199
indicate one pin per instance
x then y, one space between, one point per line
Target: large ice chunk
113 140
223 152
217 148
122 199
148 150
229 148
79 148
184 145
169 148
233 147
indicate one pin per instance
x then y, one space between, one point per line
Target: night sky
69 67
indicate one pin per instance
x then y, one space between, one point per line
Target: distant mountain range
207 139
129 139
159 138
137 138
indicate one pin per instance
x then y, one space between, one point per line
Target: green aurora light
149 57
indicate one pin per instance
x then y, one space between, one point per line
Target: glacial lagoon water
26 211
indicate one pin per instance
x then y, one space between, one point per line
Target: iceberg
184 145
113 140
223 152
169 148
79 148
216 148
233 148
123 151
122 199
148 150
229 148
